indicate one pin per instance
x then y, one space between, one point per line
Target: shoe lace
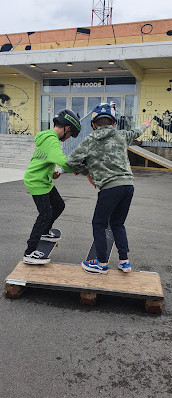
38 254
51 234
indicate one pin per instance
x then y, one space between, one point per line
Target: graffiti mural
163 129
12 106
114 34
10 47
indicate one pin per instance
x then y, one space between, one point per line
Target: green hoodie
38 175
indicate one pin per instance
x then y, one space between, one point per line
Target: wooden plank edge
150 168
150 158
95 290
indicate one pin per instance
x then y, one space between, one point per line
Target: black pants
112 208
49 206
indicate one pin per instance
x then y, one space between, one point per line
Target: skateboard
46 246
110 242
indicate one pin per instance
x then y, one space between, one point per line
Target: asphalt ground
50 345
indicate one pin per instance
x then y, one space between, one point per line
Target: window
45 112
78 106
56 85
92 102
59 103
120 84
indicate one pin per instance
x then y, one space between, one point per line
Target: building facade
130 64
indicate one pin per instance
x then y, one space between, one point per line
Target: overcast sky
33 15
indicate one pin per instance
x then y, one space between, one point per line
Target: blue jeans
49 206
112 208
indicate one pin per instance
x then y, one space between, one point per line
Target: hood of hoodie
43 135
103 132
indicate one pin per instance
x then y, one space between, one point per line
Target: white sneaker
51 237
35 257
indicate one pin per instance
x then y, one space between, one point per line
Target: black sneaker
35 257
51 236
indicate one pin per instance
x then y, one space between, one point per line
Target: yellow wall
154 88
24 103
155 100
23 106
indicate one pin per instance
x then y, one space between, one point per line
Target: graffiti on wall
10 47
13 102
163 129
161 125
53 39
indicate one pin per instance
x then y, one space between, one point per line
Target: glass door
92 102
78 106
125 105
129 111
45 112
118 101
59 103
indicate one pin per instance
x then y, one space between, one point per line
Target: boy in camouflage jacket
102 156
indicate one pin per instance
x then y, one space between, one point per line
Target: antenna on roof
102 12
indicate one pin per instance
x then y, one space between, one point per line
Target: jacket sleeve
56 155
135 133
78 158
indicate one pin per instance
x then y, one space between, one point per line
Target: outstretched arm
135 133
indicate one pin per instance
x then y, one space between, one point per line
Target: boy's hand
147 123
56 175
90 180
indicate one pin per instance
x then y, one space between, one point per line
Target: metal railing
69 145
159 134
4 123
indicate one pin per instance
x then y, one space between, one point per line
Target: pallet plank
72 277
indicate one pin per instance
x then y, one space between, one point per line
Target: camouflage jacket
103 154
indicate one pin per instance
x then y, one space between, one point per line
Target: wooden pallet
142 285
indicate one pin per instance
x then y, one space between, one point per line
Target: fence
4 122
69 145
159 134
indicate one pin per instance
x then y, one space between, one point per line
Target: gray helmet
66 117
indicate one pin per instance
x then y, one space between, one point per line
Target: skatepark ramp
141 158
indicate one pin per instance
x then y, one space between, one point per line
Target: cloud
138 10
27 15
42 15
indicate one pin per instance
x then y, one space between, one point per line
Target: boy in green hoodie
103 154
38 180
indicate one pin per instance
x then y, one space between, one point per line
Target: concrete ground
50 346
8 174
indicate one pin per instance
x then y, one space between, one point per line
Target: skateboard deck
46 246
110 242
